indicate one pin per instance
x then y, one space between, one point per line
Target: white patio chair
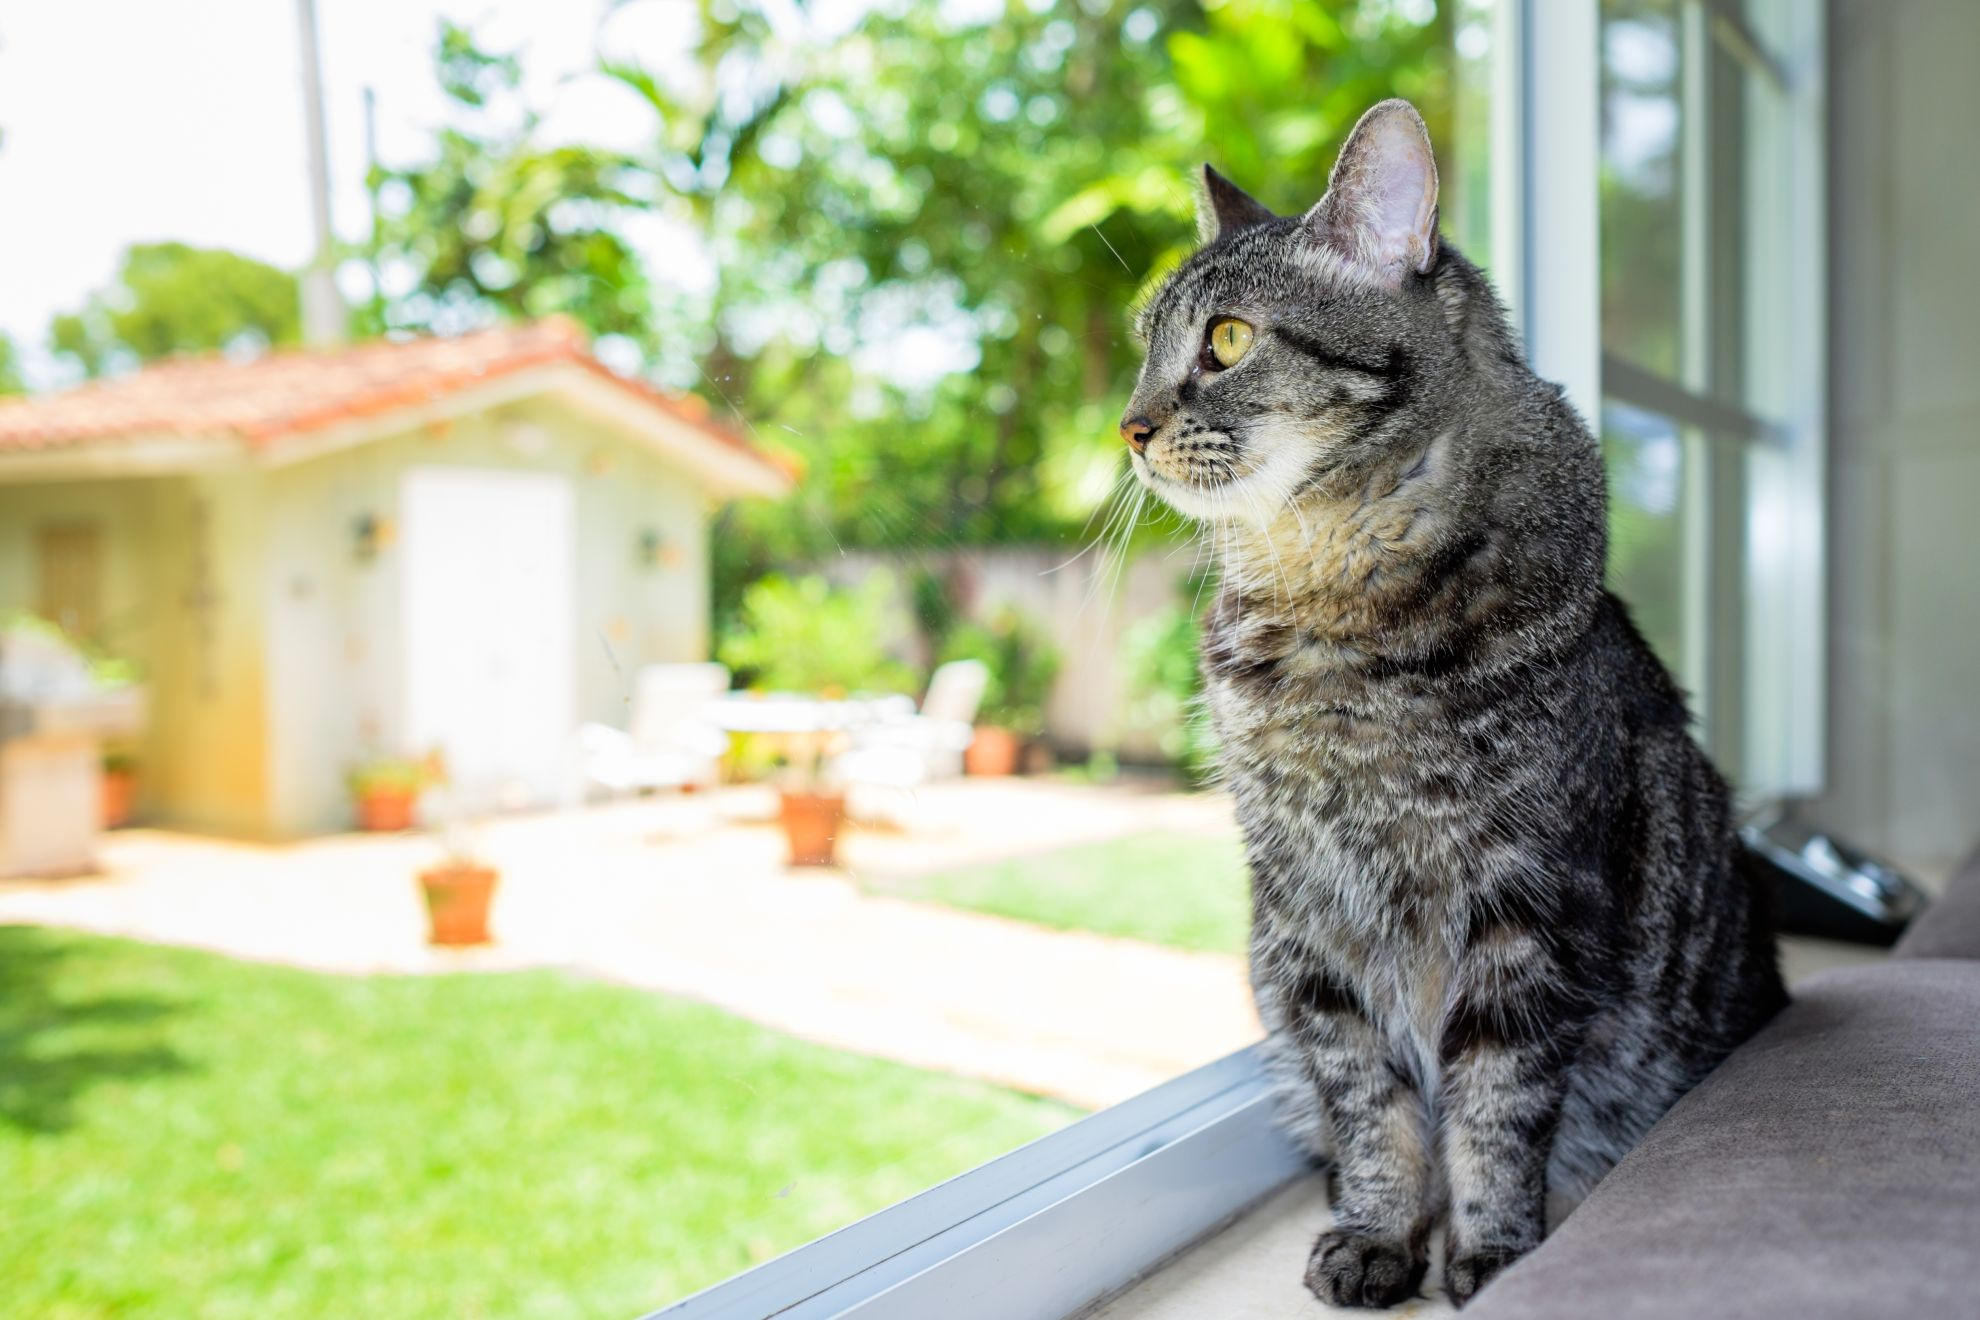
670 744
917 749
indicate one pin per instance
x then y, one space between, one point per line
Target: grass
183 1134
1184 890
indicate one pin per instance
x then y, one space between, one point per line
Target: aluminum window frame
1784 603
1050 1228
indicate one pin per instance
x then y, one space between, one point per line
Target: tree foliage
174 298
496 225
926 234
1005 189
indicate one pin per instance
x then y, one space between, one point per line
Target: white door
489 611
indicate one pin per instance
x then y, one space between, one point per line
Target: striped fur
1499 920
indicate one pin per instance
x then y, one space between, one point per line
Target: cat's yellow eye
1230 340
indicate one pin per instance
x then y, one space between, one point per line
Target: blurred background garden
896 244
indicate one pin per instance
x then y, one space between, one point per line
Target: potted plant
113 678
459 890
804 635
119 788
994 751
385 791
810 812
458 897
1022 666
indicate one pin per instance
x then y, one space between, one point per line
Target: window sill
1253 1270
1049 1229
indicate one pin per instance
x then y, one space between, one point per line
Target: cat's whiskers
1110 502
1122 519
1114 539
1265 532
1202 578
1118 555
1110 247
1234 571
1305 536
1127 540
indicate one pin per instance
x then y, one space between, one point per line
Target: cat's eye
1230 340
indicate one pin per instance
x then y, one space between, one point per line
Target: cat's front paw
1355 1269
1469 1271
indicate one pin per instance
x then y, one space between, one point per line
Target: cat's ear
1380 211
1225 207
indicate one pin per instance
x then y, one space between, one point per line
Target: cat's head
1292 352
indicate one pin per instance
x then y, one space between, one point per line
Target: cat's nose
1136 430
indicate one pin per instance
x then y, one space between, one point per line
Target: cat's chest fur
1368 809
1329 763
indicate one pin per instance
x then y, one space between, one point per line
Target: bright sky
139 120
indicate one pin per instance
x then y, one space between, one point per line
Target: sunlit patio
691 894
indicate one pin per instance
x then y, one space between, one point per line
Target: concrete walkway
690 896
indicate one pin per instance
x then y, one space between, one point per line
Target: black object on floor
1830 890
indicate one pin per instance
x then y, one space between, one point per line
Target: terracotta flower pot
386 810
119 796
458 895
993 751
811 824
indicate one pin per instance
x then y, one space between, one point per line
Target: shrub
1022 665
396 774
804 635
107 669
1165 685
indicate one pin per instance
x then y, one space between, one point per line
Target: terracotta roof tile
264 400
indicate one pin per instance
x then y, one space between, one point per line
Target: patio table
791 713
807 728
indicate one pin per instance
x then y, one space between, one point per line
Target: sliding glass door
1669 274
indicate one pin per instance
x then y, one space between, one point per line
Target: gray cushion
1829 1168
1950 926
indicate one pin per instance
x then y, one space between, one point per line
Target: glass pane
1641 168
1690 295
1468 198
1690 224
1647 516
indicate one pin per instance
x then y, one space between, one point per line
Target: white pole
324 320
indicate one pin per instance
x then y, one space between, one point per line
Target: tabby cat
1500 920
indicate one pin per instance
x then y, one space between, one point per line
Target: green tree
174 298
1007 187
925 234
896 178
497 225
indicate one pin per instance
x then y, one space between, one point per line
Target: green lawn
1181 889
183 1134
